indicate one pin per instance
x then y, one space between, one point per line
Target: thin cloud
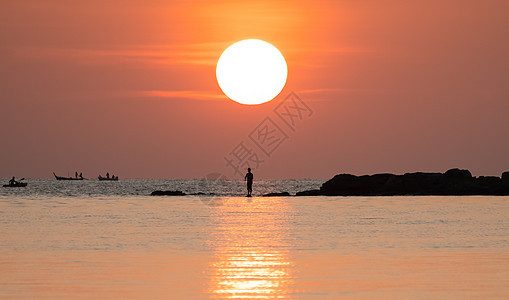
325 91
337 50
318 57
191 54
324 94
195 95
198 54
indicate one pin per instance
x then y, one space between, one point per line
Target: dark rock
168 193
452 182
282 194
459 174
351 185
490 185
309 193
505 177
410 184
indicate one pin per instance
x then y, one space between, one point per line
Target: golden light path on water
251 258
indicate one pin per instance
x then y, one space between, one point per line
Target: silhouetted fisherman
13 181
76 174
81 175
108 175
249 179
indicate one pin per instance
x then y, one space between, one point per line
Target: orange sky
129 87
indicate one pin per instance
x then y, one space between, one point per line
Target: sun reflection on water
250 247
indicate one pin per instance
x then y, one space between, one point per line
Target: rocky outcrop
452 182
281 194
168 193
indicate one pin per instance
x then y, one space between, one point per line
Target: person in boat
107 175
76 174
81 175
249 179
13 181
112 176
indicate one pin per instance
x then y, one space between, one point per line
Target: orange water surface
259 248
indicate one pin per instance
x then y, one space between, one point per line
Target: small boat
17 184
113 178
67 178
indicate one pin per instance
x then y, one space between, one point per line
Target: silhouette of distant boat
17 184
67 178
107 178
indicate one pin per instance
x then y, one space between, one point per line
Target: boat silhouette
114 178
67 178
16 184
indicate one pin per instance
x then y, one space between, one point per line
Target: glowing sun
251 72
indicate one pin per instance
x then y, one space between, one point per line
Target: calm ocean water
143 187
110 240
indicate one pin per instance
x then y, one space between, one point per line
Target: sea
95 239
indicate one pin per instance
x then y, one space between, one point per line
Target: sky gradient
128 87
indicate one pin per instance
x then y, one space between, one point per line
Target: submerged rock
309 193
281 194
168 193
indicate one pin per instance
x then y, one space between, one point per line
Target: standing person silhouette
249 179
